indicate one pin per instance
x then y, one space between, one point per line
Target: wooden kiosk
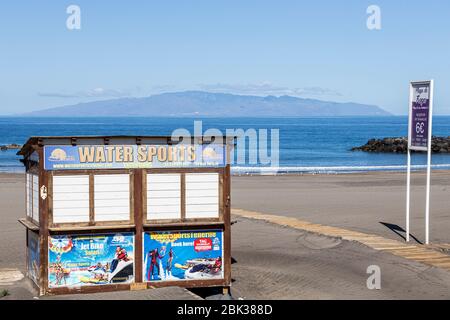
127 213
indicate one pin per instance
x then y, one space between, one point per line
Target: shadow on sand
399 230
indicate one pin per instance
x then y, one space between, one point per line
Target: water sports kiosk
108 213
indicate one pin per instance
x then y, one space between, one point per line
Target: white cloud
91 93
258 89
266 88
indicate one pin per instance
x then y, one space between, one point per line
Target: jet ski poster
183 255
89 260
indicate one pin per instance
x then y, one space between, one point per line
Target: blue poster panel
67 157
83 260
33 256
183 255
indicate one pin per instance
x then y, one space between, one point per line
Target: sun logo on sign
210 153
58 155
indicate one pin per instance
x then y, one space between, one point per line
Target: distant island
400 145
199 103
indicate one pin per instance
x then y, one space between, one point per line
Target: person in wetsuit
153 255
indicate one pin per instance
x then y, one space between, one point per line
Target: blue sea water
304 142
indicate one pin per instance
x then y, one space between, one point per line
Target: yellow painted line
408 247
389 249
423 256
408 253
415 251
380 243
418 253
396 247
356 238
420 258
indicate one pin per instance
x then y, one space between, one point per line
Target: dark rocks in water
10 146
400 145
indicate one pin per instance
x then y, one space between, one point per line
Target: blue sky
317 49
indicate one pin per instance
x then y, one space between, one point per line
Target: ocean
306 144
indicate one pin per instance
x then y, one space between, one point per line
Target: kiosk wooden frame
40 224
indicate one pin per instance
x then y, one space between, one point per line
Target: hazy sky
317 49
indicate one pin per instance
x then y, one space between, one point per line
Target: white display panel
71 198
35 196
29 193
163 196
32 195
202 195
112 197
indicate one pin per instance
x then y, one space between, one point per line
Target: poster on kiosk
183 255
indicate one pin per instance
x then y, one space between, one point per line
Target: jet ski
196 261
201 271
122 272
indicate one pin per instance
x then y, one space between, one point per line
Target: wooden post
91 200
43 227
26 252
183 196
227 225
139 223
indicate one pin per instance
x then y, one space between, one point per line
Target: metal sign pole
408 192
427 208
427 204
408 174
420 123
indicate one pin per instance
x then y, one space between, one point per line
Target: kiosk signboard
66 157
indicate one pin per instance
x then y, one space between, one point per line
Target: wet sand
272 262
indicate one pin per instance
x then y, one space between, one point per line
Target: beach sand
274 262
12 233
360 201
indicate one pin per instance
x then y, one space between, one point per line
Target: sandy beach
274 262
368 202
